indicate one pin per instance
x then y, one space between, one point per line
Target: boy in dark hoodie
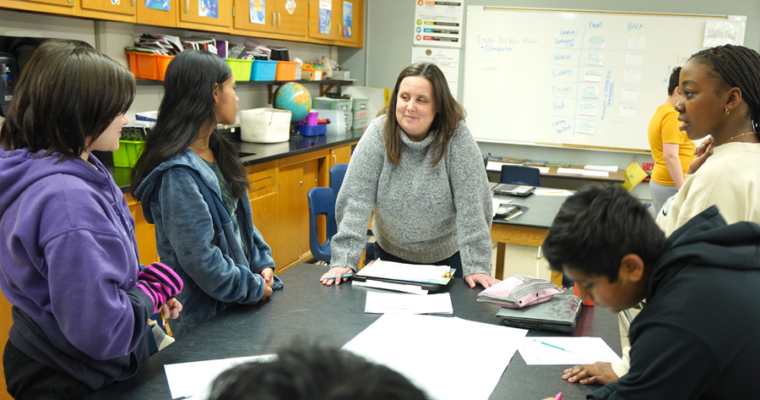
697 336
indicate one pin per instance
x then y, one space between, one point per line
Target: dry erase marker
551 345
344 276
558 396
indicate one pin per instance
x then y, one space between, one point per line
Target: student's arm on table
191 232
599 373
673 163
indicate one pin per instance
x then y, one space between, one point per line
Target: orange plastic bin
286 71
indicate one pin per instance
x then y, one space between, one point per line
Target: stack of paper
189 379
421 348
608 168
585 172
397 287
394 303
557 350
436 274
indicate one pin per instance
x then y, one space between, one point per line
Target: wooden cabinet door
67 7
264 210
250 13
291 17
157 12
350 20
323 24
145 233
295 181
214 15
6 320
340 155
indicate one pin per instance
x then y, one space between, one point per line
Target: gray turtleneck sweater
423 214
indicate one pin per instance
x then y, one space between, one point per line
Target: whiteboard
572 78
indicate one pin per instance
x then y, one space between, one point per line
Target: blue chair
337 173
321 202
520 175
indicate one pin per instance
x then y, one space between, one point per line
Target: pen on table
558 396
551 345
344 276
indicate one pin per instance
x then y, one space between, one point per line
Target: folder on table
433 278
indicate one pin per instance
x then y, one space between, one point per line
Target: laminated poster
347 18
163 5
208 8
257 13
438 23
325 16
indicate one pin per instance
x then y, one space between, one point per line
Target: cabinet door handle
274 18
279 19
340 29
187 6
133 3
335 159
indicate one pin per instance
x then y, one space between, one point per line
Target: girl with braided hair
720 98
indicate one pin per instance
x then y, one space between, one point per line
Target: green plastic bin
241 69
128 153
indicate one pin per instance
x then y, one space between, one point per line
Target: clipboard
436 286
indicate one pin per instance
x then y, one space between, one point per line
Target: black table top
252 153
307 312
540 214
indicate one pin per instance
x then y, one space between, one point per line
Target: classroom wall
389 28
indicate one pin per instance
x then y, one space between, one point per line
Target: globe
295 98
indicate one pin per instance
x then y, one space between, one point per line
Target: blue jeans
454 261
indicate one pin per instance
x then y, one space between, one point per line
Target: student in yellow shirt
671 149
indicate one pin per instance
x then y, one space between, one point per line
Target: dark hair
313 374
67 95
739 67
673 84
186 109
447 117
596 227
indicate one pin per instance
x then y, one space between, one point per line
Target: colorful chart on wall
257 11
325 16
347 18
208 8
438 23
163 5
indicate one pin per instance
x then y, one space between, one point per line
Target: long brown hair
67 93
447 117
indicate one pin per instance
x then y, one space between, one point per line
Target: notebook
559 314
509 189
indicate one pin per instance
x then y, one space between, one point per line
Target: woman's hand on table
484 280
599 373
337 275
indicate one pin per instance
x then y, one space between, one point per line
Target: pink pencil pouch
519 291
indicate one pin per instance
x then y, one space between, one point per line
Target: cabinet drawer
260 171
260 191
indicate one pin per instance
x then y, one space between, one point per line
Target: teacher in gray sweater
419 169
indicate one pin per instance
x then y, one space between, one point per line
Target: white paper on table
552 192
576 171
592 75
496 165
586 126
594 58
420 348
634 58
628 111
587 109
496 203
608 168
543 170
631 94
581 350
190 379
398 303
596 42
630 76
636 42
406 272
398 287
590 92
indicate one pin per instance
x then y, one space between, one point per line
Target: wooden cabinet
151 16
263 197
114 10
323 20
340 155
294 181
65 7
345 25
281 18
6 320
145 233
205 15
292 16
249 17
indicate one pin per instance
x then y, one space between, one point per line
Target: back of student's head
673 83
737 66
314 374
186 108
65 98
596 227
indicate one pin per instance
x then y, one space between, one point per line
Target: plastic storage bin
128 153
286 71
241 69
326 103
360 114
162 64
265 125
148 66
264 70
340 121
360 123
358 104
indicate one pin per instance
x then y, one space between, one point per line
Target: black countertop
251 153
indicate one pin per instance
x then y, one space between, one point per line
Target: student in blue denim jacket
192 186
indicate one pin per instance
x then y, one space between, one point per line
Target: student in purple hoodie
68 255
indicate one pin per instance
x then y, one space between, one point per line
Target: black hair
673 84
314 373
66 96
739 67
596 227
186 109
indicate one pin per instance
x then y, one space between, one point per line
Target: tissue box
341 75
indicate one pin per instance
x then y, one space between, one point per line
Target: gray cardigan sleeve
472 200
356 199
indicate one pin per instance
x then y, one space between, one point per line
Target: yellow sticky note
633 176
